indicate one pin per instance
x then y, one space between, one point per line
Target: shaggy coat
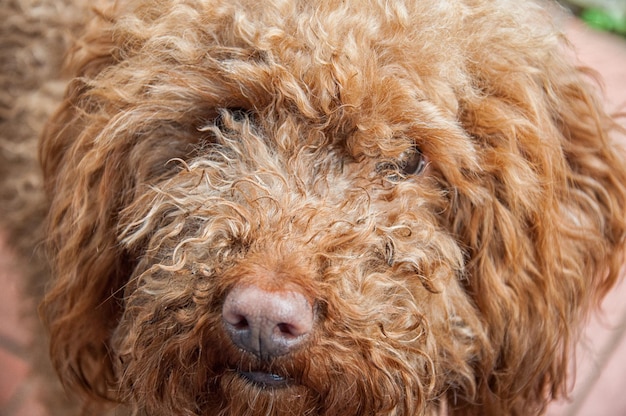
431 181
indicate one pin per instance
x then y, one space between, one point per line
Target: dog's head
326 208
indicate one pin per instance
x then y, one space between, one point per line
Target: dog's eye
412 162
236 114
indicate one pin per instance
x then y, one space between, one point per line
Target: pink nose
267 323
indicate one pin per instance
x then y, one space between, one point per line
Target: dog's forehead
324 55
374 77
356 66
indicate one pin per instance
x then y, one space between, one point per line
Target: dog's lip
265 379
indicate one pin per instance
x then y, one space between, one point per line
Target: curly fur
204 143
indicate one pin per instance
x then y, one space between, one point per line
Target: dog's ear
545 237
104 145
81 305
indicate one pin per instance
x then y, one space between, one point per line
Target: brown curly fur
202 144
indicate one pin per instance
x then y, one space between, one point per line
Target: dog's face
313 208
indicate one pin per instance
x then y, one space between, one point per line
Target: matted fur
205 144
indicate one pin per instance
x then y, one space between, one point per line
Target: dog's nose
267 323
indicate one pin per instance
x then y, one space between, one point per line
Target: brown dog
326 208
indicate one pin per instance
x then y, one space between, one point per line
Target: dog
326 208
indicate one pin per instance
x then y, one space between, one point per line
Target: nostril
288 330
234 319
242 323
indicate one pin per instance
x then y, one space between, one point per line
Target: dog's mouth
278 373
264 379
